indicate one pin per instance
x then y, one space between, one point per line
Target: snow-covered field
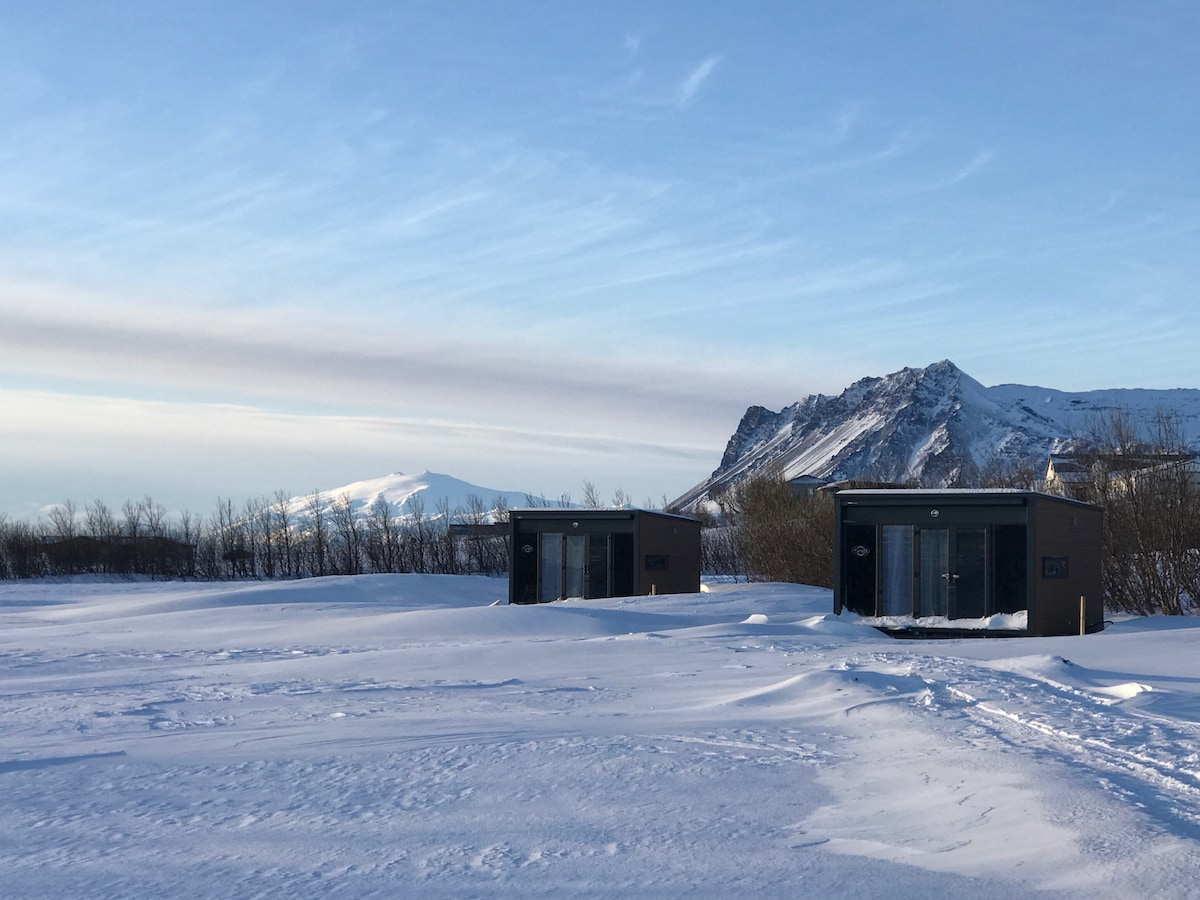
399 736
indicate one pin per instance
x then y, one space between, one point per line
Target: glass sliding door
575 565
896 570
598 566
550 568
934 592
969 582
944 572
1009 594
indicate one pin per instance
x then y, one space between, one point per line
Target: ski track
1151 761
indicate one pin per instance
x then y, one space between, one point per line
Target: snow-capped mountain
935 425
432 492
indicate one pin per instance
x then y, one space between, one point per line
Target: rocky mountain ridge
934 425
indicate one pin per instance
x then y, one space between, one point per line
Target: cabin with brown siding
951 555
591 553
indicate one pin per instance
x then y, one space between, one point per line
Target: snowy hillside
399 736
935 425
429 489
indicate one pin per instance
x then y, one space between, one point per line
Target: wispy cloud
289 362
695 80
980 160
843 124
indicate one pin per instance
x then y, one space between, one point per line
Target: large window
574 568
550 568
896 570
963 571
935 573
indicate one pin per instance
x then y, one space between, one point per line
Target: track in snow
1149 759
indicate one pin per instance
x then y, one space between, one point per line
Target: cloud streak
690 87
306 366
135 447
977 164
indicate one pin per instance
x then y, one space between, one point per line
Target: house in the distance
806 485
1077 474
923 560
1067 474
590 553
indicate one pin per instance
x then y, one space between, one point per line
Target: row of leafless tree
261 538
270 538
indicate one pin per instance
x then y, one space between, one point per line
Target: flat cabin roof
958 495
558 513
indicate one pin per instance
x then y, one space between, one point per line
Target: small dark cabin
969 554
592 553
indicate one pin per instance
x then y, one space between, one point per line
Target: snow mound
837 690
1018 621
1125 691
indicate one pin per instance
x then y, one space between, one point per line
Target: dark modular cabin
969 554
591 553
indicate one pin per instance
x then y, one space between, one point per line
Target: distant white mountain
935 425
432 492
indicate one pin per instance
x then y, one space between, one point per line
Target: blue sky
259 246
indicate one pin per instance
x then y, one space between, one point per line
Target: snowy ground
395 736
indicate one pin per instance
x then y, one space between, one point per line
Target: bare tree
154 515
1005 472
259 529
318 534
418 534
102 526
63 529
7 569
230 537
501 548
348 531
719 547
591 496
475 519
445 561
781 536
132 524
187 532
63 520
384 551
1145 478
21 553
284 541
151 547
500 510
